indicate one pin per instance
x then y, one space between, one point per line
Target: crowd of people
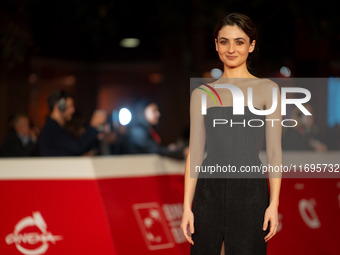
66 134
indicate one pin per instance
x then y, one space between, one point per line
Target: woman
232 215
142 136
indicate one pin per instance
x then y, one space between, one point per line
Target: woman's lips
231 57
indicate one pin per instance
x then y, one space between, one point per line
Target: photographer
54 138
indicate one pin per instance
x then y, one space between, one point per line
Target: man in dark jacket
55 140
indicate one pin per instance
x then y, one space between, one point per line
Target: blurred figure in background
21 140
113 139
142 136
77 127
57 140
305 135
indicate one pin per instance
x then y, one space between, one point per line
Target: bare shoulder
198 91
268 84
266 87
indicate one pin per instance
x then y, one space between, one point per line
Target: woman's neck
237 72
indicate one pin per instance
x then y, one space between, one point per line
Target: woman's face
152 114
233 46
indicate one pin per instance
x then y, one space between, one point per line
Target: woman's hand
188 220
271 215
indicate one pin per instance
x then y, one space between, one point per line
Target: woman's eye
239 42
223 42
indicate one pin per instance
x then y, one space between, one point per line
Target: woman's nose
231 48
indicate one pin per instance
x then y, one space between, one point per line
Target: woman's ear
252 46
216 44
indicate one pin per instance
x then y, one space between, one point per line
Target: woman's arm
189 186
273 142
194 158
274 157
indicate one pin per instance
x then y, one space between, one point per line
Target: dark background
74 45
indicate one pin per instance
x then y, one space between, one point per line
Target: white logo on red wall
173 213
26 238
308 213
153 226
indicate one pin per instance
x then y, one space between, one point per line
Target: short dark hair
14 118
55 96
19 115
240 20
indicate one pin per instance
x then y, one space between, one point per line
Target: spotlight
216 73
129 42
124 116
285 71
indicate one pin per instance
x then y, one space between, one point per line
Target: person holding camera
55 140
